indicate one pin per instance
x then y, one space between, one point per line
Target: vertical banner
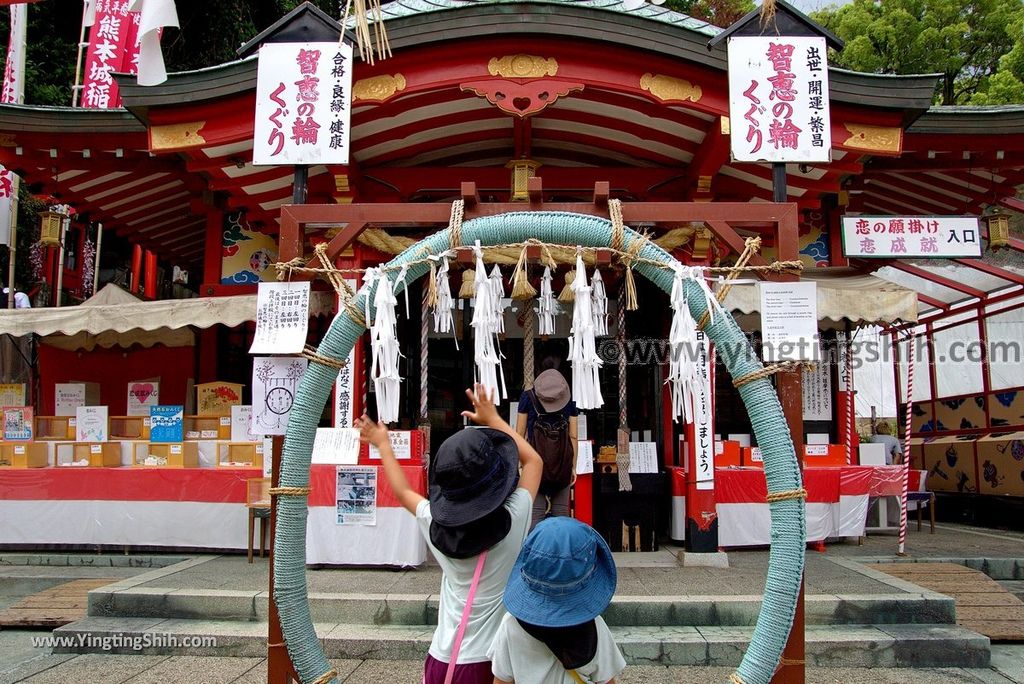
703 435
817 389
12 93
778 99
303 104
108 44
345 386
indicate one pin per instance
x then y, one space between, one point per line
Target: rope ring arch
788 526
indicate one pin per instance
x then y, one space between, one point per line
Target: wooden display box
99 454
27 455
129 427
207 427
55 428
173 455
240 455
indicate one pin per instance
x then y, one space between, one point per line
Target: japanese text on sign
345 385
703 429
282 318
778 99
113 48
911 236
789 321
303 104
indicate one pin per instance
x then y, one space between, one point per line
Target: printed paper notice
91 424
339 446
789 321
585 458
401 444
357 495
274 381
643 457
282 318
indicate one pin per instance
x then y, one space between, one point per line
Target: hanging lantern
998 226
50 224
522 171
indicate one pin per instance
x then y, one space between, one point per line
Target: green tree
716 12
962 41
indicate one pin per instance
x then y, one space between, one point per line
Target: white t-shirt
487 609
518 657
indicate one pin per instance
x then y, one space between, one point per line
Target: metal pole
96 258
12 247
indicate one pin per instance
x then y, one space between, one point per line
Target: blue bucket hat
564 576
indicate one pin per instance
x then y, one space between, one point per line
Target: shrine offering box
751 457
129 427
240 455
207 427
95 455
68 396
170 455
727 454
217 398
55 428
28 455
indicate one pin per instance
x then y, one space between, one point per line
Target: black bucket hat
471 475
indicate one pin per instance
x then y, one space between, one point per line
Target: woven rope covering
289 491
315 357
290 592
786 496
767 371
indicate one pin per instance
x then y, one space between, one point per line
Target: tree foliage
716 12
975 45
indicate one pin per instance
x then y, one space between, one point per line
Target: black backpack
551 440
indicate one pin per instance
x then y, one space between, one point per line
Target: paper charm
384 349
498 293
682 338
547 306
486 354
599 304
443 321
586 383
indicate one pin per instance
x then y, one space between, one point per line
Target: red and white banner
918 237
12 93
113 47
778 99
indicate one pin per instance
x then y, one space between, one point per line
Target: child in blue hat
474 521
562 581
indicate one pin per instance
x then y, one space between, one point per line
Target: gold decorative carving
377 88
176 136
726 125
667 88
7 140
522 66
874 138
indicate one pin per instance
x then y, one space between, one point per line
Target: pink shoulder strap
465 619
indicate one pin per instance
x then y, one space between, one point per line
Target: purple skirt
469 673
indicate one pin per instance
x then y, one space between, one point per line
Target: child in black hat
475 520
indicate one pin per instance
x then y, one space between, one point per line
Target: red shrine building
576 94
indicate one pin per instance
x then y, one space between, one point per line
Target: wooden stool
257 500
926 498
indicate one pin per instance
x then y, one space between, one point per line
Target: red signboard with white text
113 48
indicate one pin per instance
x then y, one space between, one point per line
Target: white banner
817 390
703 437
918 237
12 93
789 321
778 99
345 385
303 104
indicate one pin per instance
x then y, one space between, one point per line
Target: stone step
421 609
827 646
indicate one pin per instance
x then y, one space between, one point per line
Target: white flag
155 15
89 15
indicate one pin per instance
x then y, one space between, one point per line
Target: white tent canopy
114 317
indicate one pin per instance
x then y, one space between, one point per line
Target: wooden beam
535 189
602 191
469 194
938 279
992 270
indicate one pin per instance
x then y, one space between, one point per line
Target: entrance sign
789 321
918 237
778 99
303 104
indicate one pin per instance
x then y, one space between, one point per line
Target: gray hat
552 390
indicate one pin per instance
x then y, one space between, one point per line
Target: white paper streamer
443 321
682 338
599 304
547 305
486 321
384 348
586 382
498 294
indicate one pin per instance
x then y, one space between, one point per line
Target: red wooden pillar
701 510
136 268
212 256
150 275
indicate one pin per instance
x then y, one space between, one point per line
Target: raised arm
377 435
484 413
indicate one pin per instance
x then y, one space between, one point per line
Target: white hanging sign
274 381
789 321
401 445
303 104
585 457
345 385
704 438
817 391
919 237
282 318
338 446
778 99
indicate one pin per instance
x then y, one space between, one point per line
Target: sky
808 6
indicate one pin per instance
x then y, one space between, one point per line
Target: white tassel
498 293
599 304
547 305
385 350
714 307
682 371
443 310
400 280
586 382
486 354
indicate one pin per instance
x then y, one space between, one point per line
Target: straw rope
289 491
454 225
316 357
736 679
787 495
622 459
768 371
326 677
529 330
750 247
